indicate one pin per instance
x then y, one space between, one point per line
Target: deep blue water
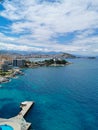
66 98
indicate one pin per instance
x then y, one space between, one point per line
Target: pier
25 107
18 122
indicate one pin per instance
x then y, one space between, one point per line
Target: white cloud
37 23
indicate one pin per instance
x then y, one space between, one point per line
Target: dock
25 107
18 122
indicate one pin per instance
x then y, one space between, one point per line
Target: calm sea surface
66 98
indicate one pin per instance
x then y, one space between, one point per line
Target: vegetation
45 63
49 62
53 61
2 73
61 62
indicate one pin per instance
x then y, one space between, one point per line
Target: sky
49 25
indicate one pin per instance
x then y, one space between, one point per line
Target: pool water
6 127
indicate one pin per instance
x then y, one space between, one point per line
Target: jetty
18 122
25 107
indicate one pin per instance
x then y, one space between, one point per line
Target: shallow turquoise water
66 98
5 127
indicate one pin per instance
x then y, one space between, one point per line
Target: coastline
7 78
14 72
48 86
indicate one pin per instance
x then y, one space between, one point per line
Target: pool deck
18 122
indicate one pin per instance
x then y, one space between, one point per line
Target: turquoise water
5 127
66 98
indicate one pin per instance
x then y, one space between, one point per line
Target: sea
66 98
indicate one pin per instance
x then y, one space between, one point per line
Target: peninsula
50 62
12 65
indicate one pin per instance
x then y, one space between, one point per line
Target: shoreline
18 72
7 78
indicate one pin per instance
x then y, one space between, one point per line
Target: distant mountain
51 55
26 52
65 55
39 54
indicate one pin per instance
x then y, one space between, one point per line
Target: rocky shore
7 78
4 79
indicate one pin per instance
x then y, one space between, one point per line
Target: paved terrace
18 122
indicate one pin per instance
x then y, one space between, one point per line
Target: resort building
3 66
18 62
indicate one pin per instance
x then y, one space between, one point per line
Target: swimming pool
6 127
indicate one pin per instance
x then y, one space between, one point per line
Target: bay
66 98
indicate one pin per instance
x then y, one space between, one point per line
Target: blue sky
49 25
